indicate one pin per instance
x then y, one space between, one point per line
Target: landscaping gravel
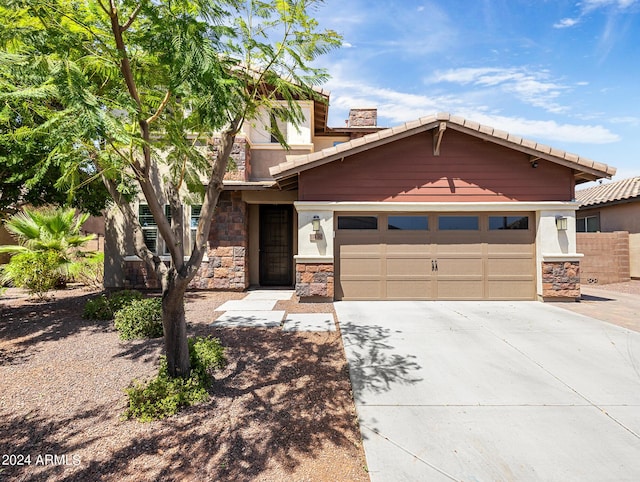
282 409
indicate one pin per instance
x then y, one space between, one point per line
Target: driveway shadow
374 364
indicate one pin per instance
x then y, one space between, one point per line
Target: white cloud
347 45
587 6
396 107
533 88
566 22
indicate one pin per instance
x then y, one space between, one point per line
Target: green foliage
58 233
89 270
35 271
140 319
122 298
97 308
105 307
164 396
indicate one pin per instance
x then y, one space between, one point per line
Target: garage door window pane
357 222
408 223
508 222
458 223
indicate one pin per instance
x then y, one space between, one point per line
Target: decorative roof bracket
437 138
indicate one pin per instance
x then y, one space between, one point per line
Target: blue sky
565 73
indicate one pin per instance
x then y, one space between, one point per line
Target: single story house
609 208
438 208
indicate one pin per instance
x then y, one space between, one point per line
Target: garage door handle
436 265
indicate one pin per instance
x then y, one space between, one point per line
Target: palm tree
54 232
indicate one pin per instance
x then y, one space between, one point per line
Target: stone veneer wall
239 167
314 280
227 267
560 279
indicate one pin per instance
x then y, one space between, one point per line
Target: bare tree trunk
175 324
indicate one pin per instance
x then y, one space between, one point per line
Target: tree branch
131 18
151 259
161 107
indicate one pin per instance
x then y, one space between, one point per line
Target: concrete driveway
492 391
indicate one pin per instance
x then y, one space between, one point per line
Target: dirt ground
282 410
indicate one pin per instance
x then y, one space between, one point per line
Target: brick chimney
363 118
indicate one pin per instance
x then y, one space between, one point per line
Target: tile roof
294 164
610 192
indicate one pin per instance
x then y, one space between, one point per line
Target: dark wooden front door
276 245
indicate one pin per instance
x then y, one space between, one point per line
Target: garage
435 256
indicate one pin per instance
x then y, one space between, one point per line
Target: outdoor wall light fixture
315 225
534 163
561 223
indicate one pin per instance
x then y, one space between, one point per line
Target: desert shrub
164 396
35 271
89 270
140 319
122 298
105 307
97 308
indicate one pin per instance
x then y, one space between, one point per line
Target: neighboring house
438 208
608 208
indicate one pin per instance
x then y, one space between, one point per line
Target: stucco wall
618 217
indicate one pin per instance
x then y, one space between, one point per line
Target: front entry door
276 245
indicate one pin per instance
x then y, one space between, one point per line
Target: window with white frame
588 224
150 229
194 220
153 240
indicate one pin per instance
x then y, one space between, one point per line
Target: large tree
123 86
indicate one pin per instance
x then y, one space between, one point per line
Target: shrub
140 319
97 308
165 396
105 307
122 298
89 270
35 271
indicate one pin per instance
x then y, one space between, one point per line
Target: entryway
276 245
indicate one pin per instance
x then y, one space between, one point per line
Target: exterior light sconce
315 223
561 223
315 226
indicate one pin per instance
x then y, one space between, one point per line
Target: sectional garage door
488 256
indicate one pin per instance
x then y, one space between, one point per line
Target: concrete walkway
493 391
256 310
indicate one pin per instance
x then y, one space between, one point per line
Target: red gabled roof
586 169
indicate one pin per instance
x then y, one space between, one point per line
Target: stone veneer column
314 280
560 280
228 265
